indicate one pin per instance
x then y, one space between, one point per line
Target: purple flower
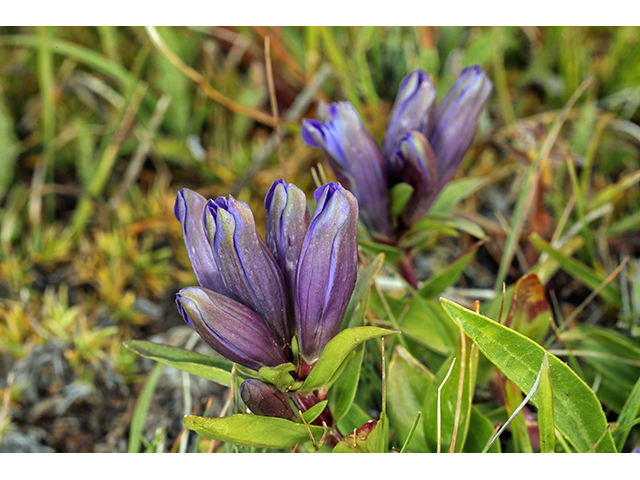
412 110
249 271
327 269
266 400
304 272
424 146
188 210
230 328
287 223
456 120
357 162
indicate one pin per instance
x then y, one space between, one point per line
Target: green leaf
280 377
610 355
480 432
407 384
454 192
630 413
214 369
369 438
460 383
336 351
610 293
354 315
253 430
578 414
343 391
314 412
518 424
546 423
142 409
427 323
448 276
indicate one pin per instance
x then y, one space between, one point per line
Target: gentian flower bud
250 272
327 269
287 222
357 162
230 328
266 400
420 170
412 111
188 210
456 120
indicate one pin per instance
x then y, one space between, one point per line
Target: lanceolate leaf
546 423
214 369
449 275
407 385
336 351
578 414
629 413
253 430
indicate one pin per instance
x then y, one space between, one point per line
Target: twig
212 93
313 440
135 165
274 102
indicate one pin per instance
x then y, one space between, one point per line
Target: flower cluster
423 146
255 294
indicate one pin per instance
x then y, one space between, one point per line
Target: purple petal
357 163
412 111
287 222
230 328
456 120
327 269
250 272
188 210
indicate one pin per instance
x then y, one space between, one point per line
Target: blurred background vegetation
99 128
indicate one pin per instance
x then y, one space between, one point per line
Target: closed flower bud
412 110
357 162
188 210
420 170
327 269
266 400
456 120
287 222
250 272
230 328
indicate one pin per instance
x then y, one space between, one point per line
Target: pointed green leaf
480 432
336 351
518 423
546 423
630 413
314 412
343 390
449 275
610 293
354 315
407 384
578 414
427 323
253 430
280 376
455 385
214 369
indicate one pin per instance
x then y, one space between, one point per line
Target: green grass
99 128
